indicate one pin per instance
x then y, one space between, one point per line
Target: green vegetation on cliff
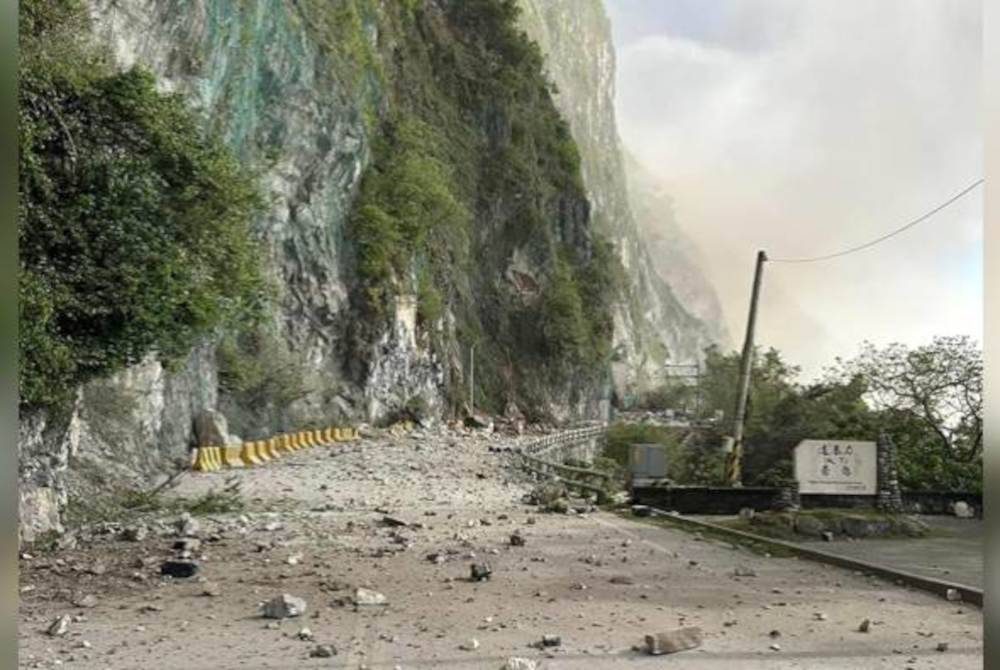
472 163
133 224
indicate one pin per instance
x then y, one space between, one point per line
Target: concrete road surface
314 530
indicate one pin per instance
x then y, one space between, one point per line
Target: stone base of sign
889 497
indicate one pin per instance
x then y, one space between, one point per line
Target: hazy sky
806 126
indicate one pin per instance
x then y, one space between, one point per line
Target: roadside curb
969 595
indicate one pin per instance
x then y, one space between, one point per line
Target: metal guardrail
583 478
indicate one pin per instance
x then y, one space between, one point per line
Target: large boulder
809 525
211 428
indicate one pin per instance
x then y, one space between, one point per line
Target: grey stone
673 641
187 526
747 512
283 607
469 645
86 601
519 663
323 651
953 595
516 539
59 626
859 526
211 428
865 626
366 598
551 641
827 536
480 572
190 544
135 533
809 525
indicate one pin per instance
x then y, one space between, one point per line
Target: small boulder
59 626
283 607
516 539
673 641
480 572
367 598
963 510
551 640
518 663
323 651
179 569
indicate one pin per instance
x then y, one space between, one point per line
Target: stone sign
836 466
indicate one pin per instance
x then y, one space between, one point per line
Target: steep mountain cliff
664 318
421 195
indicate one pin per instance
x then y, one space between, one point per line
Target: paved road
954 553
599 581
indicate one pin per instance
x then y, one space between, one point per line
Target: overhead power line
912 223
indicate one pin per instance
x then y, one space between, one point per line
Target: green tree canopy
134 225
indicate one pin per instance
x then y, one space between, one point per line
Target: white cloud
846 121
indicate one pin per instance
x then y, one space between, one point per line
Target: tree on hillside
939 386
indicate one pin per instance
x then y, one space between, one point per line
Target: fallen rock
323 651
809 525
211 589
59 626
366 598
551 641
179 569
135 533
283 607
187 526
673 641
865 626
516 539
190 544
86 601
827 536
963 510
518 663
953 595
743 571
480 572
394 522
941 646
305 634
470 645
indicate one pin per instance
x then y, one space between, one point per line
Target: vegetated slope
660 319
420 193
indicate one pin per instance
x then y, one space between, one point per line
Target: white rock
364 597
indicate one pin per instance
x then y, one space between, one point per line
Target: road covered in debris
422 550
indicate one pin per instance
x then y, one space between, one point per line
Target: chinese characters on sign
836 466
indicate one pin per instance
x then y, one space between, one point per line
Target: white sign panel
836 466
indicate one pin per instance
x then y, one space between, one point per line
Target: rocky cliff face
325 100
672 313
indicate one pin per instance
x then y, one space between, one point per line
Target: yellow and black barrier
210 458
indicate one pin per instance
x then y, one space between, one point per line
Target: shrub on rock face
133 225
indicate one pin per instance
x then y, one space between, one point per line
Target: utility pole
734 457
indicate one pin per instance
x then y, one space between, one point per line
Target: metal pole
472 378
733 464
